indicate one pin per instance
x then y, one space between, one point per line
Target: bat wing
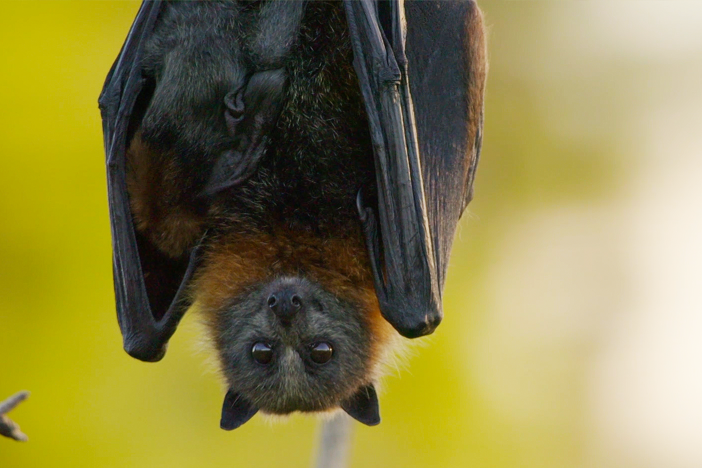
149 288
421 68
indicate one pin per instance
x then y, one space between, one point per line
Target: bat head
289 345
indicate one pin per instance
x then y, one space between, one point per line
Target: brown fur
154 195
477 51
340 264
477 74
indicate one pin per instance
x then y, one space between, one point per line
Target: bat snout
289 297
285 304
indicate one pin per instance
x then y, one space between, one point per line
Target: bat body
275 164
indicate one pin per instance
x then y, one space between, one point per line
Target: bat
295 172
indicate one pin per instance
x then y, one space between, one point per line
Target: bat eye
262 353
296 301
321 353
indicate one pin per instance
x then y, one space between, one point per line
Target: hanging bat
295 170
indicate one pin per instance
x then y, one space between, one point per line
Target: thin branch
334 442
8 427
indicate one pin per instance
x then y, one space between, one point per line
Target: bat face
289 345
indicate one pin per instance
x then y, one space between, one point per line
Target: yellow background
573 312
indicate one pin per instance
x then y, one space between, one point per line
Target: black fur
320 153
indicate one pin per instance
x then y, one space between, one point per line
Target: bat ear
250 114
363 406
236 411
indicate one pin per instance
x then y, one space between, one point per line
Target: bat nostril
286 303
272 301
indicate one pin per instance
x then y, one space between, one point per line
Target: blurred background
573 309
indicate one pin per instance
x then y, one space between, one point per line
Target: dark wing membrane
149 288
412 65
447 71
399 240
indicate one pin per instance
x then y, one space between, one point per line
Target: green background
571 317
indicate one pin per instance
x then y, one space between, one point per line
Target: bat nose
286 303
